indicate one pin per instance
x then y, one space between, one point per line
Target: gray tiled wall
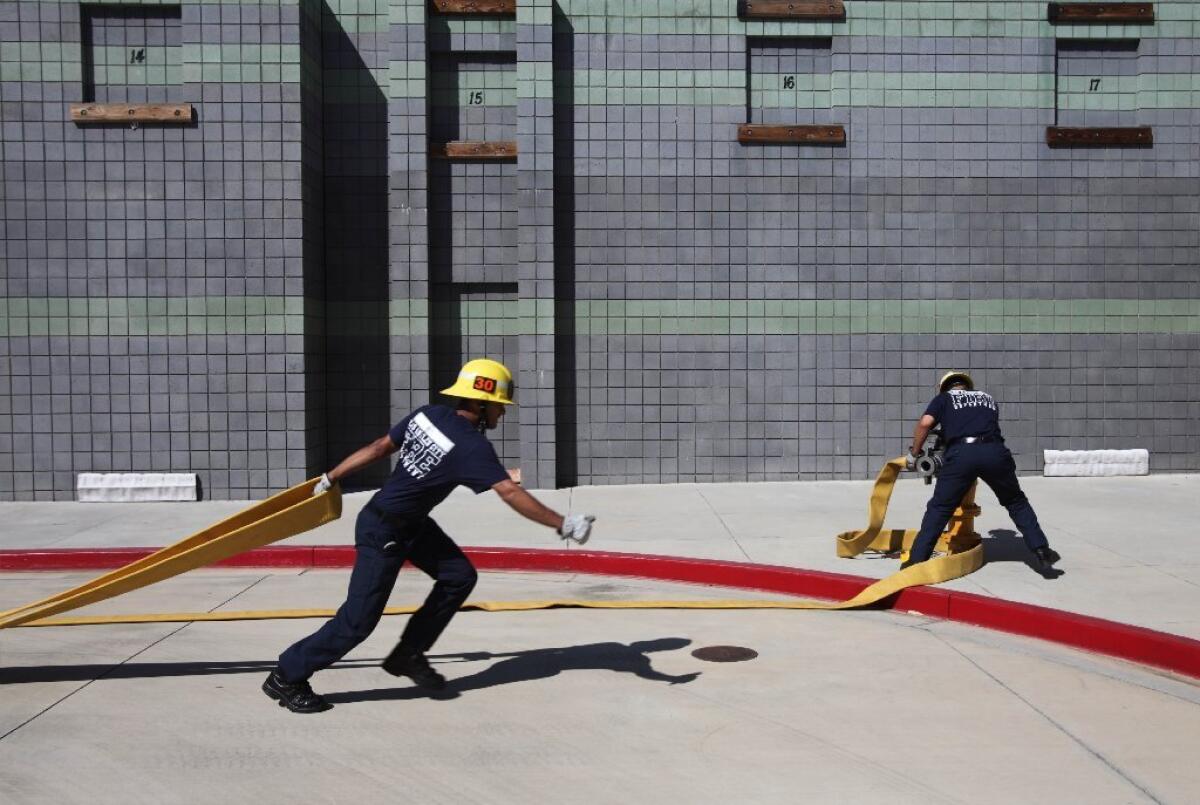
120 246
254 296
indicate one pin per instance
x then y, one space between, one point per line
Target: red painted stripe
1159 649
71 559
332 555
1136 643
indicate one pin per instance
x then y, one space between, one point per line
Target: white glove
577 527
323 485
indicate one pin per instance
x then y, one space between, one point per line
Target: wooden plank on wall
475 7
1098 137
469 149
1101 13
782 135
793 10
132 113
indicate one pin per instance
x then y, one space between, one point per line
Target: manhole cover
724 653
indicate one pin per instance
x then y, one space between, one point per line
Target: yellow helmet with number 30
483 379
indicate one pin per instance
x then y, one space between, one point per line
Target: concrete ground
577 706
1130 547
601 706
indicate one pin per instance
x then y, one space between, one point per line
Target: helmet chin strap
480 413
481 422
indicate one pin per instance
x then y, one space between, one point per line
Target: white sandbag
137 486
1095 463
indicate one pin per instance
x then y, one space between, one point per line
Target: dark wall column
408 165
535 240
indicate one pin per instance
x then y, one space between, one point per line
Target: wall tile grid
772 312
154 278
355 74
473 212
312 157
408 206
253 297
536 376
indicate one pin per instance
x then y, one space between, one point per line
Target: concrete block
136 486
1074 463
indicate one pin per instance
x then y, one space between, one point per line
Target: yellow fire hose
286 514
295 510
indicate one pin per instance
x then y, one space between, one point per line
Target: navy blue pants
993 464
381 548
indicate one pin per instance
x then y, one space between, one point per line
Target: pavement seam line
51 706
1180 578
724 525
1082 744
54 704
1085 662
238 594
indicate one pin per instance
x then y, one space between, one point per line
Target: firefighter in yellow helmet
440 447
970 421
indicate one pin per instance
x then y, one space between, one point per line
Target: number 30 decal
485 384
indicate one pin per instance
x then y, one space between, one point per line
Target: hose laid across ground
296 510
284 515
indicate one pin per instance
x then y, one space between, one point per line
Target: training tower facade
715 242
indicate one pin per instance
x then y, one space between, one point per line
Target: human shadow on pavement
534 664
142 670
1006 545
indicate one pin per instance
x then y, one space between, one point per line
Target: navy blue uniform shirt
439 450
965 413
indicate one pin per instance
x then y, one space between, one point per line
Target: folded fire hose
284 515
296 510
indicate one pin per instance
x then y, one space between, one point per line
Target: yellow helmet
951 378
483 379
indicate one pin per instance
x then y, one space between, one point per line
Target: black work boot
295 696
1046 557
404 661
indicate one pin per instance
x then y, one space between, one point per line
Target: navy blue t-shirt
439 450
965 413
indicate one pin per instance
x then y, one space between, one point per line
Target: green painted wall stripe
215 53
407 79
153 316
411 12
463 98
817 317
160 65
175 2
363 21
280 315
853 89
272 63
872 89
497 87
